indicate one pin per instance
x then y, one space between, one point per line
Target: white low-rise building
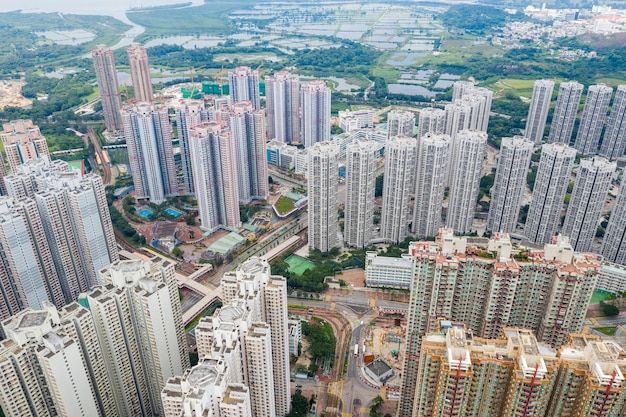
383 271
612 278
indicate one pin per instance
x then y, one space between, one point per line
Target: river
115 8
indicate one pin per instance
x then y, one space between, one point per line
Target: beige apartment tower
106 76
23 142
140 72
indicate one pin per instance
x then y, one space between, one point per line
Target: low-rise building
383 271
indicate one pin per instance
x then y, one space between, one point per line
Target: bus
356 349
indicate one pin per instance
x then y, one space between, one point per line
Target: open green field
284 205
298 264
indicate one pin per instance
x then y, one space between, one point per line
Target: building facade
360 189
189 113
589 194
282 104
400 157
614 244
614 141
431 120
314 113
472 148
214 167
433 153
322 182
565 112
244 86
593 119
509 184
400 123
538 111
106 76
149 139
140 72
22 141
553 176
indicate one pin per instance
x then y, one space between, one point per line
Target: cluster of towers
545 291
108 354
243 351
55 228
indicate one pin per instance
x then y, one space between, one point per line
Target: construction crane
219 80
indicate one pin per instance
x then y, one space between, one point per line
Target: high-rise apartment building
243 350
433 151
472 148
106 76
553 176
431 120
322 182
214 167
314 112
538 111
565 112
515 375
51 369
149 139
547 292
462 89
108 354
56 233
509 184
458 118
22 142
140 72
593 118
614 141
360 187
400 157
244 86
282 104
614 243
400 123
588 197
247 127
189 113
139 324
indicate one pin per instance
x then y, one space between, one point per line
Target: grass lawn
609 331
284 205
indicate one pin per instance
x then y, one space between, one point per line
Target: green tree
299 405
608 309
177 251
378 191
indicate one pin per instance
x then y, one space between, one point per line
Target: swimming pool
173 212
145 213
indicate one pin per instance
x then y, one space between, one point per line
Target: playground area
298 264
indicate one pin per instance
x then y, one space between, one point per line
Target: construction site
385 339
11 94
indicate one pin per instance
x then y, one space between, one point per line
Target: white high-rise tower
430 180
149 139
215 176
614 141
322 181
565 112
538 110
472 148
282 98
244 85
315 112
614 244
553 176
400 123
509 184
189 113
431 120
592 121
400 157
360 187
588 196
247 127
